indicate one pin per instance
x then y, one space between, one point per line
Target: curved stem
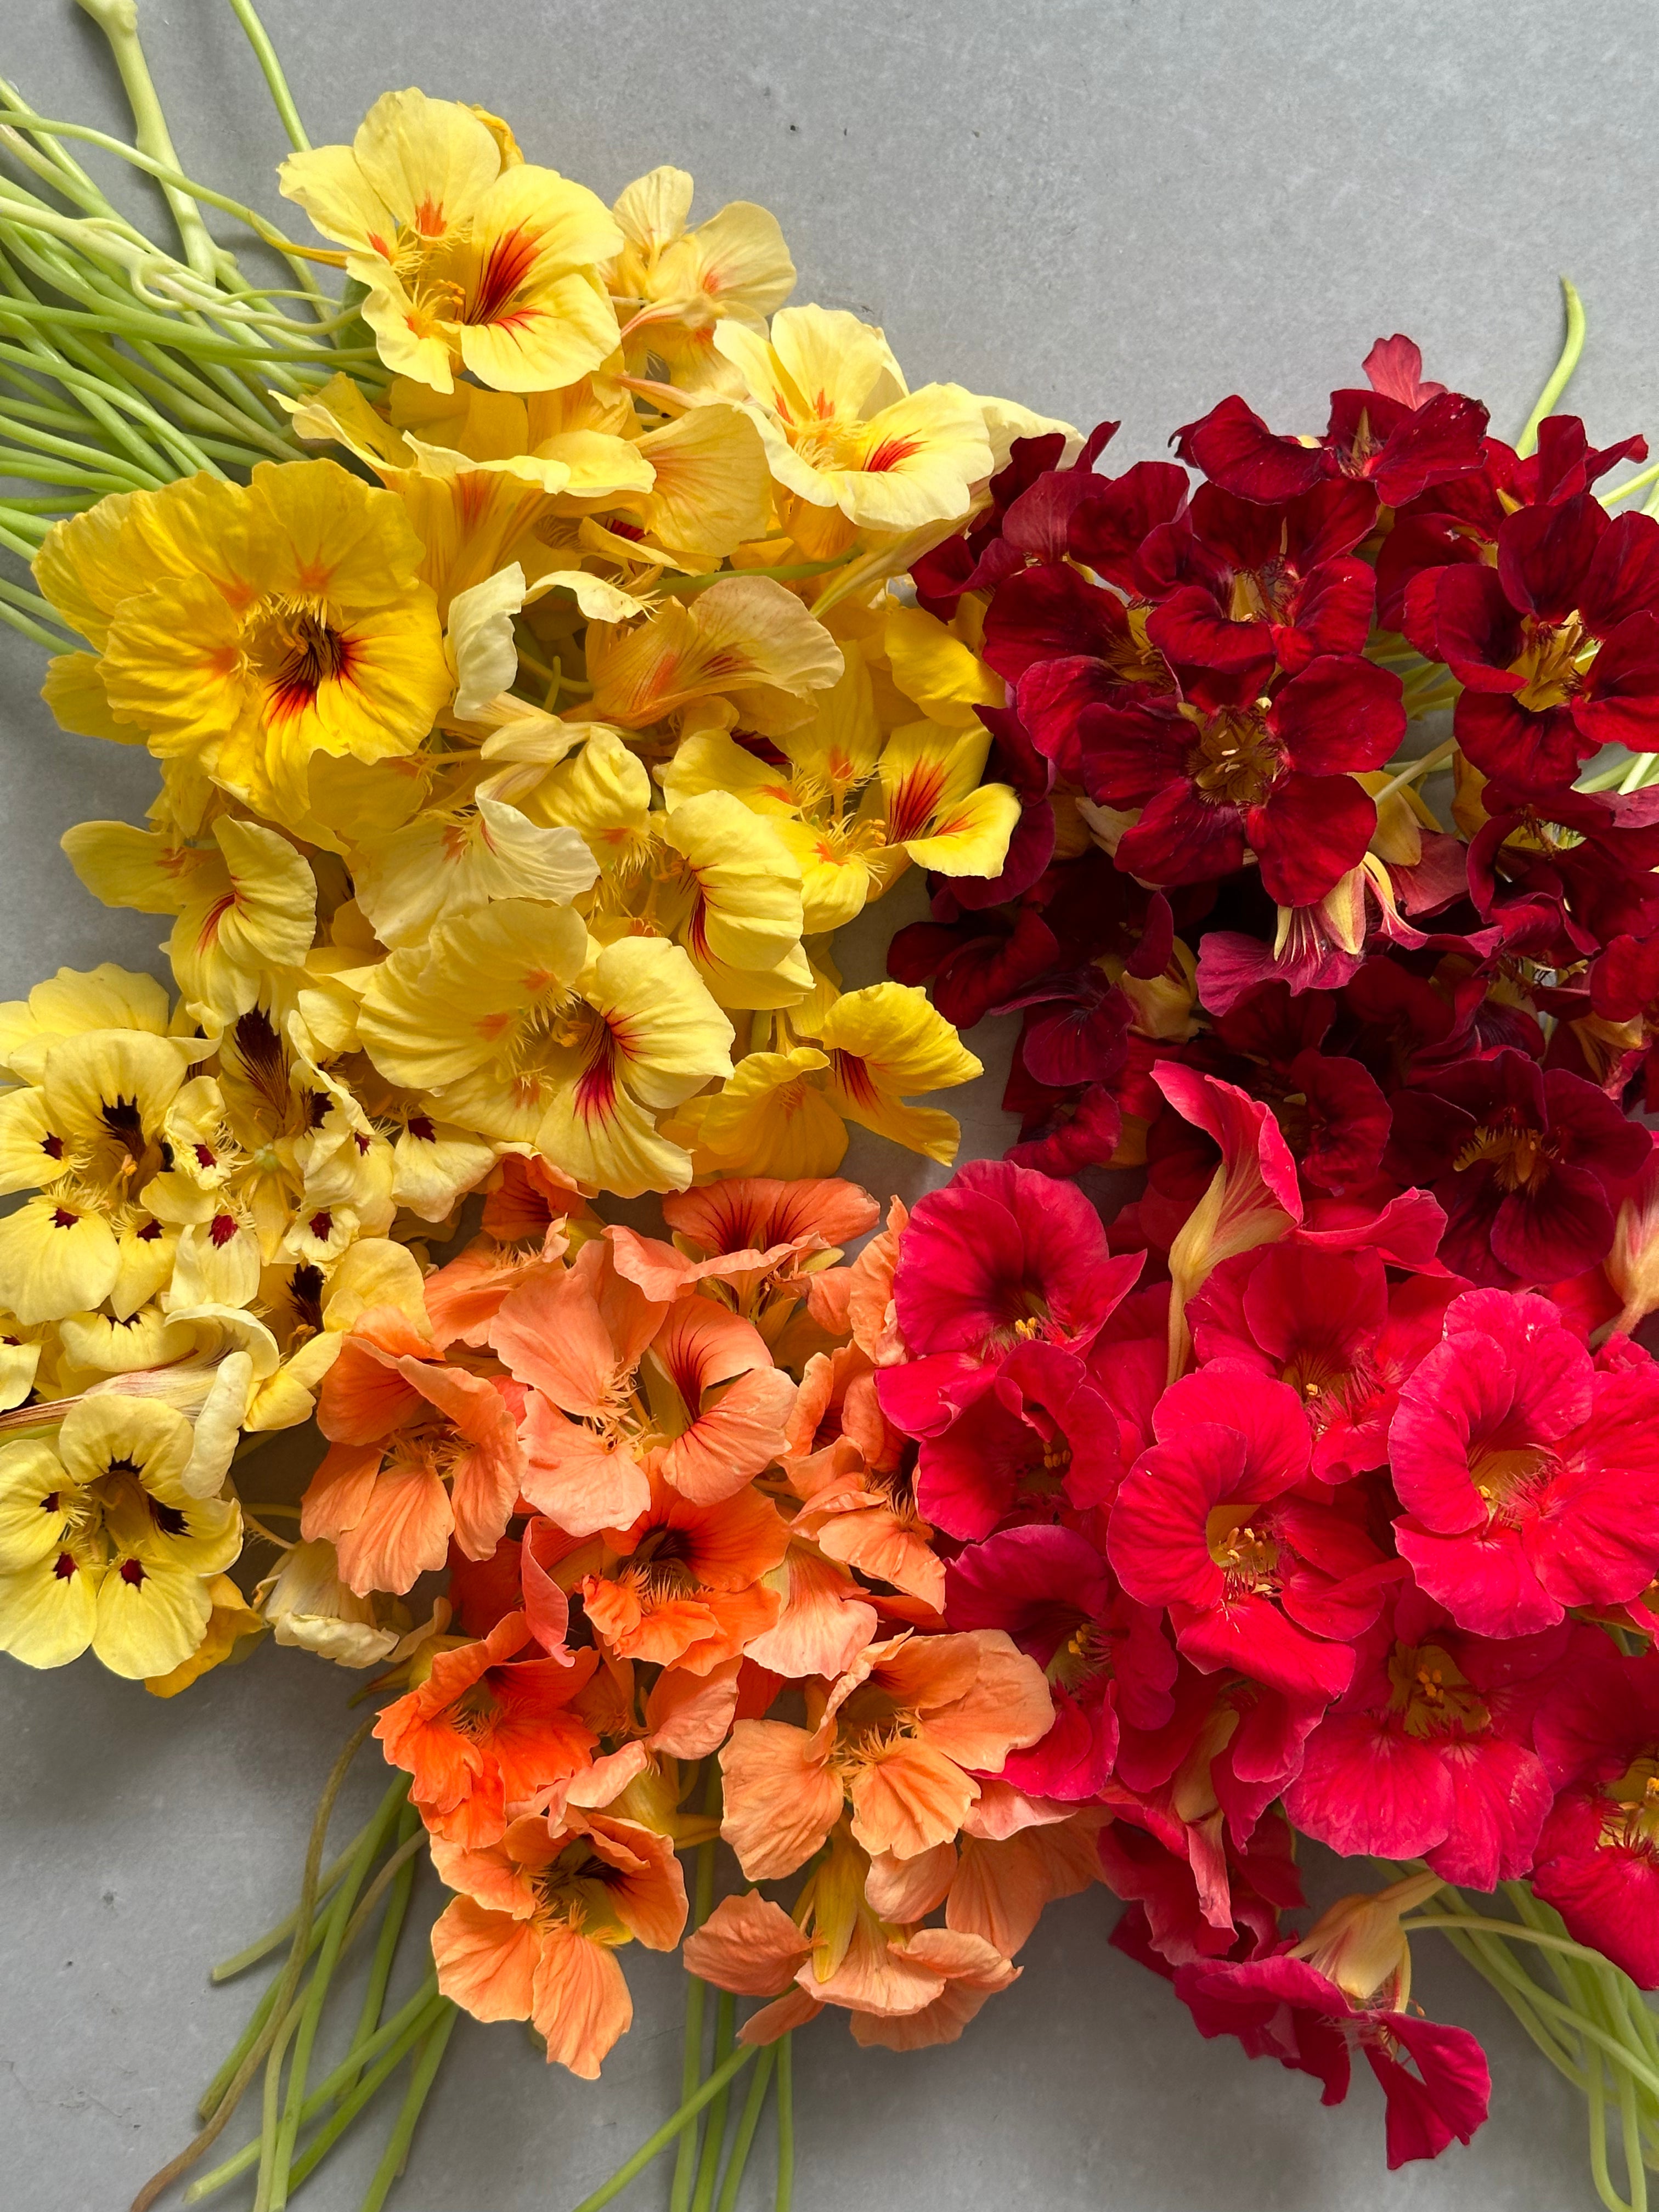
1561 375
266 54
118 22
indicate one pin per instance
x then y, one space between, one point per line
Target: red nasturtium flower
1253 1577
1346 1985
1597 1733
1427 1753
1269 771
1530 1480
1527 1161
1557 647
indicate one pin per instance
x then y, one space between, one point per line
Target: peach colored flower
534 1934
422 1450
900 1737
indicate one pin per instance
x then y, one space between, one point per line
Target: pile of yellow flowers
520 753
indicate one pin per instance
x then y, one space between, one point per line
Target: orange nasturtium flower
534 1935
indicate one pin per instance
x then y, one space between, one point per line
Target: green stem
654 2146
786 2190
406 2027
386 1946
703 1899
714 2135
390 1805
788 574
266 54
752 2107
1561 375
420 2087
15 620
118 22
330 2133
284 1990
1507 1929
227 1969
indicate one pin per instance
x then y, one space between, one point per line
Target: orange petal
742 1433
575 1476
486 1962
688 1714
1007 1707
909 1801
906 1890
781 1801
337 1497
363 1396
581 2004
403 1533
747 1945
824 1624
649 1893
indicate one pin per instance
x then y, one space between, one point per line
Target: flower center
1247 1556
1431 1695
1552 663
296 648
1520 1156
1236 759
1633 1817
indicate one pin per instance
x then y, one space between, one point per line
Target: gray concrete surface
1124 207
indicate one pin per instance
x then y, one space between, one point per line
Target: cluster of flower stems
1588 2018
300 2121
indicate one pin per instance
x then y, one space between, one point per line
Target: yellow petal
937 670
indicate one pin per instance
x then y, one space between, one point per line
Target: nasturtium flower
102 1545
534 1933
243 910
673 286
745 639
471 261
243 632
87 1138
520 1027
849 446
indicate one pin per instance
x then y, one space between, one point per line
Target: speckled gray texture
1099 207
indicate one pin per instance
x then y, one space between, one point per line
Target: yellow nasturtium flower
843 435
471 261
745 640
244 632
102 1545
672 286
246 904
516 1025
783 1112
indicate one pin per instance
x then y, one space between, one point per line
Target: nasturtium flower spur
102 1544
242 632
471 261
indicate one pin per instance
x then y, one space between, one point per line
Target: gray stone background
1123 207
